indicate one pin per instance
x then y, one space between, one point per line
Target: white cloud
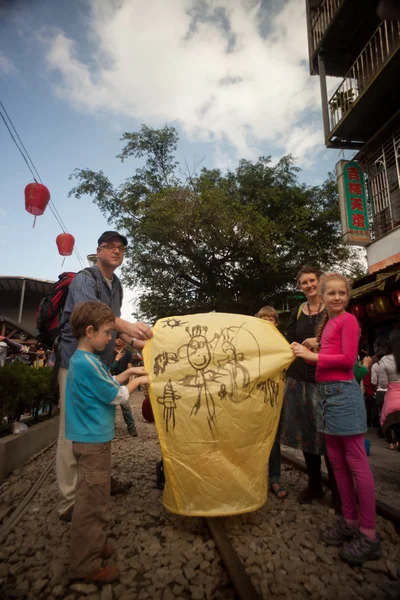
7 66
218 78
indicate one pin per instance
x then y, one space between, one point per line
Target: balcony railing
321 20
383 176
380 47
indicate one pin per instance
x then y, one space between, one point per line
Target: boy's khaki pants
66 463
90 517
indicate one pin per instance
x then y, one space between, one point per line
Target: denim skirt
342 408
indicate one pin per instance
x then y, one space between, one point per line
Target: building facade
348 40
19 300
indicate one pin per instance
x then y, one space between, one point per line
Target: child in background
268 313
91 397
343 420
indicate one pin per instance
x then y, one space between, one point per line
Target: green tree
209 240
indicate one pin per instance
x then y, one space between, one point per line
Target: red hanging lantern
65 244
395 296
357 310
382 305
371 310
37 197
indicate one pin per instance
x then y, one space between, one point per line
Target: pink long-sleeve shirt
339 347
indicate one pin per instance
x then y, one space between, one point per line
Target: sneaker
360 549
338 534
119 487
309 494
133 432
67 515
105 574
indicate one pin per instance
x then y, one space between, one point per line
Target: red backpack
52 305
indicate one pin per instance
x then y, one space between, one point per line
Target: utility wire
31 166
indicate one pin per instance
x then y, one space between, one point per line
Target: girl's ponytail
321 326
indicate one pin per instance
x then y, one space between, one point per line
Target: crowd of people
329 396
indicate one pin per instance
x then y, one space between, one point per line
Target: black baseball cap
109 235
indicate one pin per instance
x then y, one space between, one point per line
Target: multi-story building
347 40
361 112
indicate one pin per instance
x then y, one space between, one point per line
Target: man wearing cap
101 285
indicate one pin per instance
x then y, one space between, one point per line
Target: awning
378 284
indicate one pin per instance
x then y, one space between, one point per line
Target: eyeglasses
113 247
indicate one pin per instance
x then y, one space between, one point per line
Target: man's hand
136 334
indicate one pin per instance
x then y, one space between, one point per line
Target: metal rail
241 581
383 509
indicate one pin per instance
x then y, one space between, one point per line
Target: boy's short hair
268 311
89 313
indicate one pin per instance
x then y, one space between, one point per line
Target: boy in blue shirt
91 398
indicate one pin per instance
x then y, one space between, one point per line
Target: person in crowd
343 420
300 403
268 313
380 350
389 378
3 353
91 396
122 360
369 393
106 288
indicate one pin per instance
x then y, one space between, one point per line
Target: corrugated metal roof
14 284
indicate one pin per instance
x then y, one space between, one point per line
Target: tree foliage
212 240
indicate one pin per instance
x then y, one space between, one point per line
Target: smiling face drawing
198 352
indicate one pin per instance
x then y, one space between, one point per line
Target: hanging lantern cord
25 155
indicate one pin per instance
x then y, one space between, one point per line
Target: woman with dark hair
300 404
389 377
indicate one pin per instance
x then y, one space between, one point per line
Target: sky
231 75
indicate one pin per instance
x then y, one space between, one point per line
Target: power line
26 156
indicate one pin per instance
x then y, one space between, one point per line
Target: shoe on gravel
119 487
105 574
309 494
108 549
360 549
338 534
133 432
67 515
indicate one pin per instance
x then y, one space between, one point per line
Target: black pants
393 434
313 463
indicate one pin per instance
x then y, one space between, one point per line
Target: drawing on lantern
173 323
168 400
215 368
271 391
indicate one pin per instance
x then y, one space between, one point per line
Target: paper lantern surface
37 197
65 244
216 392
382 305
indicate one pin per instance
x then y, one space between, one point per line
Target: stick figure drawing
215 368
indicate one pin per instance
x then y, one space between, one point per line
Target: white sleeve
374 374
122 397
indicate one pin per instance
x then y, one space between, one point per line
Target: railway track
235 562
382 508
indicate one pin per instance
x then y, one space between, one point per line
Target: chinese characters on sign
353 203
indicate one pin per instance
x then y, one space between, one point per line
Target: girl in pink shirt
343 421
